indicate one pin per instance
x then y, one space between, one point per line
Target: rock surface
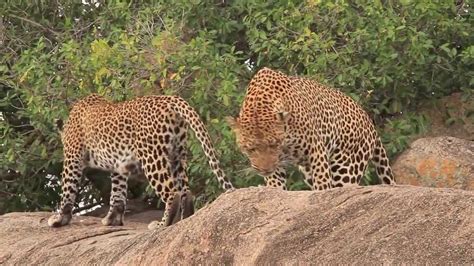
450 116
264 226
437 162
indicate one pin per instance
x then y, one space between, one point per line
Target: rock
450 116
265 226
437 162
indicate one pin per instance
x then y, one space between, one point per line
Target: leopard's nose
266 173
262 171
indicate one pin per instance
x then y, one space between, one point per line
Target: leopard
145 136
292 120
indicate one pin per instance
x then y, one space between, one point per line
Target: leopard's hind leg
155 156
118 200
73 167
186 199
382 164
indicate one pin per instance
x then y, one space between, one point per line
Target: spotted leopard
146 135
288 119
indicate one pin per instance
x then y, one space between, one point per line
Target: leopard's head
261 139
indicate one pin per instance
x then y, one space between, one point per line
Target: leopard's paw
113 219
59 219
155 225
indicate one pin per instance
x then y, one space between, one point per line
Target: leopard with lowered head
144 136
288 119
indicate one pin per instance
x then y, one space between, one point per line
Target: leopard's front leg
172 207
316 169
118 200
277 179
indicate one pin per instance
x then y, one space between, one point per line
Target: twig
35 24
163 23
460 5
6 192
78 32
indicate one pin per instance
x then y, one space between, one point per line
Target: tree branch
34 23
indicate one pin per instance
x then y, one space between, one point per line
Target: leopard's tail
192 118
382 164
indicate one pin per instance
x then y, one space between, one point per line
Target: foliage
388 55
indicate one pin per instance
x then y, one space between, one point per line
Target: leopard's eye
251 149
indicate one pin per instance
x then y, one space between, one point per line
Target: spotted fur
144 136
287 119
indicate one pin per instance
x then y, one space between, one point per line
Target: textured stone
437 162
265 226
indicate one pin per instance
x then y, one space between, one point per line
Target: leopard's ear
232 122
283 116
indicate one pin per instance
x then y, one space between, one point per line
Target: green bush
388 55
